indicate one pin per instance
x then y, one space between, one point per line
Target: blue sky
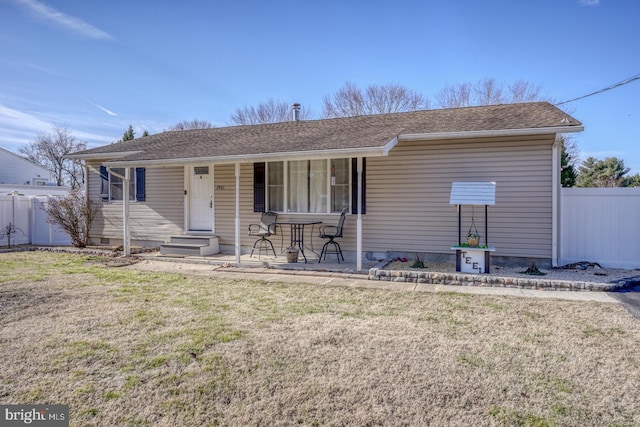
98 66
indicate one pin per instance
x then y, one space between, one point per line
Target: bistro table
297 233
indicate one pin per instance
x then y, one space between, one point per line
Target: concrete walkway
334 274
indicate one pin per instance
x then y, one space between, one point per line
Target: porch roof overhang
96 156
378 151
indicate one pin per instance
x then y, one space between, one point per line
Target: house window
308 186
116 185
339 181
112 188
275 188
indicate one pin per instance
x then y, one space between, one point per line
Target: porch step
191 246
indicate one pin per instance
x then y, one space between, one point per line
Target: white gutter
266 157
101 155
488 133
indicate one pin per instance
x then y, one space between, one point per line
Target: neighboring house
219 180
15 169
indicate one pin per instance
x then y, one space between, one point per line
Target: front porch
328 266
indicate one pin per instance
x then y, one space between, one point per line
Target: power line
613 86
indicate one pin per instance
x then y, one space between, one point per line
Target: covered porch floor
328 266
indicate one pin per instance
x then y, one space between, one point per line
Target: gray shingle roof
350 133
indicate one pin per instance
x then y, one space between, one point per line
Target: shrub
73 213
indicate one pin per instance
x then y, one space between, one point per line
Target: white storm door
201 199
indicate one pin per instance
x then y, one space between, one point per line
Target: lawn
131 348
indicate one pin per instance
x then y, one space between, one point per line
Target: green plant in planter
473 239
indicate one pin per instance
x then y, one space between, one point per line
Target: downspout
125 212
359 221
237 232
555 203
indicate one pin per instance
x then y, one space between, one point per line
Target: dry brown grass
125 347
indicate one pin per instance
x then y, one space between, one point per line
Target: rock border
488 280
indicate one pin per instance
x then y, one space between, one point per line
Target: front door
201 199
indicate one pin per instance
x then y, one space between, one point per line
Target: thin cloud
63 20
20 128
31 66
14 119
590 2
109 112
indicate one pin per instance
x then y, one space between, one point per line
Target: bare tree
270 111
451 96
74 213
7 231
49 151
522 91
191 124
376 99
488 91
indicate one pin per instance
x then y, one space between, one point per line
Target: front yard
125 347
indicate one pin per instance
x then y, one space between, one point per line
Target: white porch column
125 212
237 232
359 221
555 202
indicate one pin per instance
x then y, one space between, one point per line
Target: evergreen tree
609 172
129 134
568 159
632 181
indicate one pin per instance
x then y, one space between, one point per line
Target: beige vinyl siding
407 203
225 205
408 195
225 202
160 216
225 214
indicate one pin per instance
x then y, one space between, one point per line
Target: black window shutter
259 180
140 184
104 183
354 185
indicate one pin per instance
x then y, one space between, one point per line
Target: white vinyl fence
601 225
30 219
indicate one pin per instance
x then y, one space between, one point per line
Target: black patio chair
264 229
330 233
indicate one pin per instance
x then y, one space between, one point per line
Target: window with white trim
308 186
